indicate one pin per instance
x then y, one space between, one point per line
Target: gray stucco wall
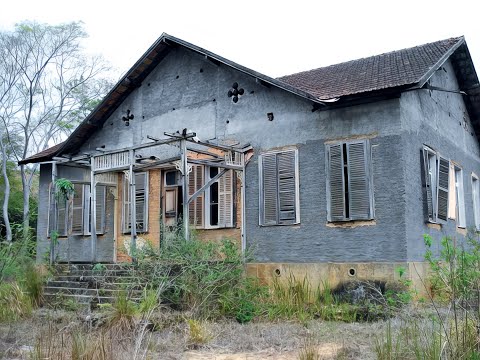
187 91
439 120
75 247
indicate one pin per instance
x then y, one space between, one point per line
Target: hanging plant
64 189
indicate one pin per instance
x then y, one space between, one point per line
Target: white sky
273 37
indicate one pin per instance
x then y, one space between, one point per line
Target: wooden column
93 209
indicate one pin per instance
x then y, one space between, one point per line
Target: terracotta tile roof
44 155
396 68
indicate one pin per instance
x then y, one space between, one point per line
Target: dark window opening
171 178
214 202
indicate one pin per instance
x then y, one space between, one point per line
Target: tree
51 85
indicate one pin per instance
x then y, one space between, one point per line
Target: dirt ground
227 340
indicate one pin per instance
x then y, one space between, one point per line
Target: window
76 215
476 200
279 188
436 179
141 203
219 199
195 208
349 181
458 207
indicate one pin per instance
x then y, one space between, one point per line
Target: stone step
80 299
121 272
100 279
95 285
97 267
90 292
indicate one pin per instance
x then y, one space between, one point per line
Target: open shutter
100 201
195 182
335 183
476 201
427 185
286 164
77 210
141 188
62 216
225 200
358 181
442 188
269 185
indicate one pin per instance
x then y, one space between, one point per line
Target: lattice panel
112 161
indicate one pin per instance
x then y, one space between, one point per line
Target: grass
14 302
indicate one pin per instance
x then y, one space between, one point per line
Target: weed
149 301
309 350
198 333
14 302
122 313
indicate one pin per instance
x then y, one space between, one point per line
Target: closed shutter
141 188
286 164
269 189
100 202
427 184
358 181
225 200
442 189
335 183
77 210
195 208
52 210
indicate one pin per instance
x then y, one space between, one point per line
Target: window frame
126 186
207 199
475 181
345 151
461 219
261 212
436 158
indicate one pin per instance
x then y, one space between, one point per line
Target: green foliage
122 313
149 301
99 267
64 189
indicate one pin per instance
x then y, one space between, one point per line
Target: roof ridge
452 39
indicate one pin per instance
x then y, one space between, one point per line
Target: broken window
279 188
76 214
349 181
141 203
436 180
219 199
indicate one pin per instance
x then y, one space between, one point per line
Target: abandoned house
335 172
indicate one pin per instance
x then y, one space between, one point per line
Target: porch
157 186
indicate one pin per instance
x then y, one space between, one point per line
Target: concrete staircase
92 284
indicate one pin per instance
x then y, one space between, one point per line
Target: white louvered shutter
358 181
141 189
77 210
269 189
195 208
100 202
286 167
335 183
225 200
442 188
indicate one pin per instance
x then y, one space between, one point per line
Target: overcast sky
272 37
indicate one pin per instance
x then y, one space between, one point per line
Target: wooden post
244 222
133 210
53 212
184 169
93 209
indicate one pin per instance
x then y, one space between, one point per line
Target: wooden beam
206 186
218 165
